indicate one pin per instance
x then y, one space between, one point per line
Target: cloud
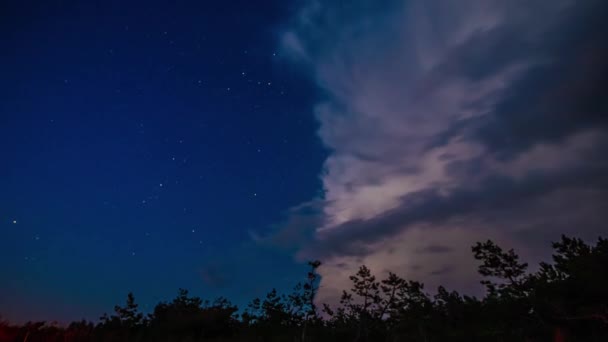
434 249
214 276
450 122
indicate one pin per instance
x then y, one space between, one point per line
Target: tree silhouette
565 300
504 266
192 318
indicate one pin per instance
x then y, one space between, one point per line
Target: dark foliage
566 300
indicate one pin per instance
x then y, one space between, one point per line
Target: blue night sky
217 145
141 144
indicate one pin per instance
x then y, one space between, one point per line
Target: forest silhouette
564 300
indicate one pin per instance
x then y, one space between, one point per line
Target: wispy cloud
449 122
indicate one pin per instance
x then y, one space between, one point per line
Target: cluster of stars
200 82
198 130
36 238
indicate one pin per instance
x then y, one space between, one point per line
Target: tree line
564 300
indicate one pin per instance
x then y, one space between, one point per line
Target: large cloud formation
450 122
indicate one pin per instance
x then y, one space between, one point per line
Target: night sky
217 145
140 145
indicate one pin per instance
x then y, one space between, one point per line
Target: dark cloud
435 249
494 194
297 229
214 276
450 121
442 271
557 98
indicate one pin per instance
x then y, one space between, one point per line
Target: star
14 221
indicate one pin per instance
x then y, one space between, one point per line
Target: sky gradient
218 146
